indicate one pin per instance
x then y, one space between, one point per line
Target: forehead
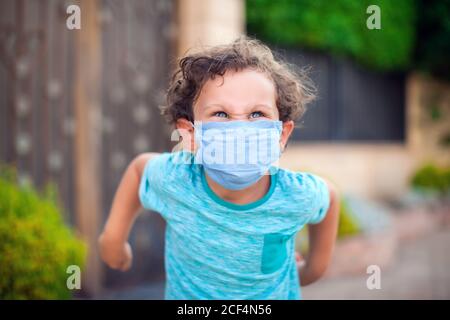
238 87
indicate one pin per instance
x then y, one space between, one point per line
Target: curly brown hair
294 89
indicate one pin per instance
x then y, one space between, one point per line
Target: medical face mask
236 154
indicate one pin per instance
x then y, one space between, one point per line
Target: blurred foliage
433 32
348 226
36 247
338 27
432 178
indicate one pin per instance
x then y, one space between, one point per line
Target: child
232 215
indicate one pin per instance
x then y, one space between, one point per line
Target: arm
113 242
321 242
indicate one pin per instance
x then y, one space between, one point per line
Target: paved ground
421 270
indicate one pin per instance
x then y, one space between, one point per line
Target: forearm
126 204
322 237
113 242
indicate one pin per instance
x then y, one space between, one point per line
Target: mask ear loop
282 147
194 127
195 124
285 145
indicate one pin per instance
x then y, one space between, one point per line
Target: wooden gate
74 102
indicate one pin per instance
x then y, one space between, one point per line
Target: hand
116 254
307 272
300 260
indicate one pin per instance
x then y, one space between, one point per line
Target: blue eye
220 114
256 114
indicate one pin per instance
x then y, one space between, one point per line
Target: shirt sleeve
151 188
319 198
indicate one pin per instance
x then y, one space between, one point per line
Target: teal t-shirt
215 249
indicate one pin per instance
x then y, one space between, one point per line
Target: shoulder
161 177
140 161
166 165
310 194
303 187
300 181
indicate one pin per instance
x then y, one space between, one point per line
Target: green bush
338 27
432 178
35 245
347 224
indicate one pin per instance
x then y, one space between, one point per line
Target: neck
248 195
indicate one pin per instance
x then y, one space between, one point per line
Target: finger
115 266
126 265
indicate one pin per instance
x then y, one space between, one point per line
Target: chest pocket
274 252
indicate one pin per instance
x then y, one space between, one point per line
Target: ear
288 127
186 132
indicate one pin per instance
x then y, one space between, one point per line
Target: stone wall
369 170
428 119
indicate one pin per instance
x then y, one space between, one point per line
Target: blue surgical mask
236 154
